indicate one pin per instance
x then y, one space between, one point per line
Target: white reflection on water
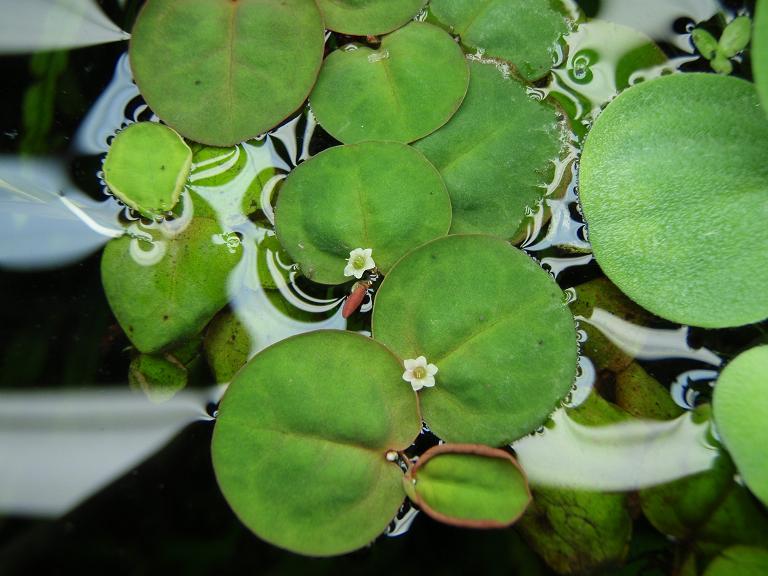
35 25
60 447
45 221
108 113
655 17
622 456
646 343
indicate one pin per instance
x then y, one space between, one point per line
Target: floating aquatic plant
407 88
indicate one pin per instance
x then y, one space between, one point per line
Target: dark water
100 480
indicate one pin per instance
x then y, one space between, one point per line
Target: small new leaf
704 42
735 37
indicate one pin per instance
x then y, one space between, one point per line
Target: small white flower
419 373
358 262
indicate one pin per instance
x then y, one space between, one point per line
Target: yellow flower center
359 262
419 372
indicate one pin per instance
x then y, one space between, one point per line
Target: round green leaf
740 406
147 167
168 289
214 71
741 561
674 188
469 485
523 32
403 91
493 174
301 441
380 195
368 17
496 326
760 52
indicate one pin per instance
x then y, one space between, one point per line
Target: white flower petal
408 376
410 364
427 381
431 369
421 361
417 385
367 252
349 270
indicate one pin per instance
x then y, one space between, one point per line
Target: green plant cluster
443 152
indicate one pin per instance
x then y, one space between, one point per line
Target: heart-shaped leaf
147 167
671 168
302 437
168 289
383 196
760 52
368 17
740 406
492 173
523 32
496 326
214 70
403 91
469 485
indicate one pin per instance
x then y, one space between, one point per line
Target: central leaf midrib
232 27
305 436
473 146
482 8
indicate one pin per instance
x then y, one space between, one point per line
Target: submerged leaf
741 561
302 438
167 290
469 485
671 168
403 91
499 331
227 346
708 509
580 531
213 70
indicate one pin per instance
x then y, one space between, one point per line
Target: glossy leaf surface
499 332
469 485
213 71
147 167
300 443
403 91
384 196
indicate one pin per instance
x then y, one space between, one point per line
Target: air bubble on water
378 56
